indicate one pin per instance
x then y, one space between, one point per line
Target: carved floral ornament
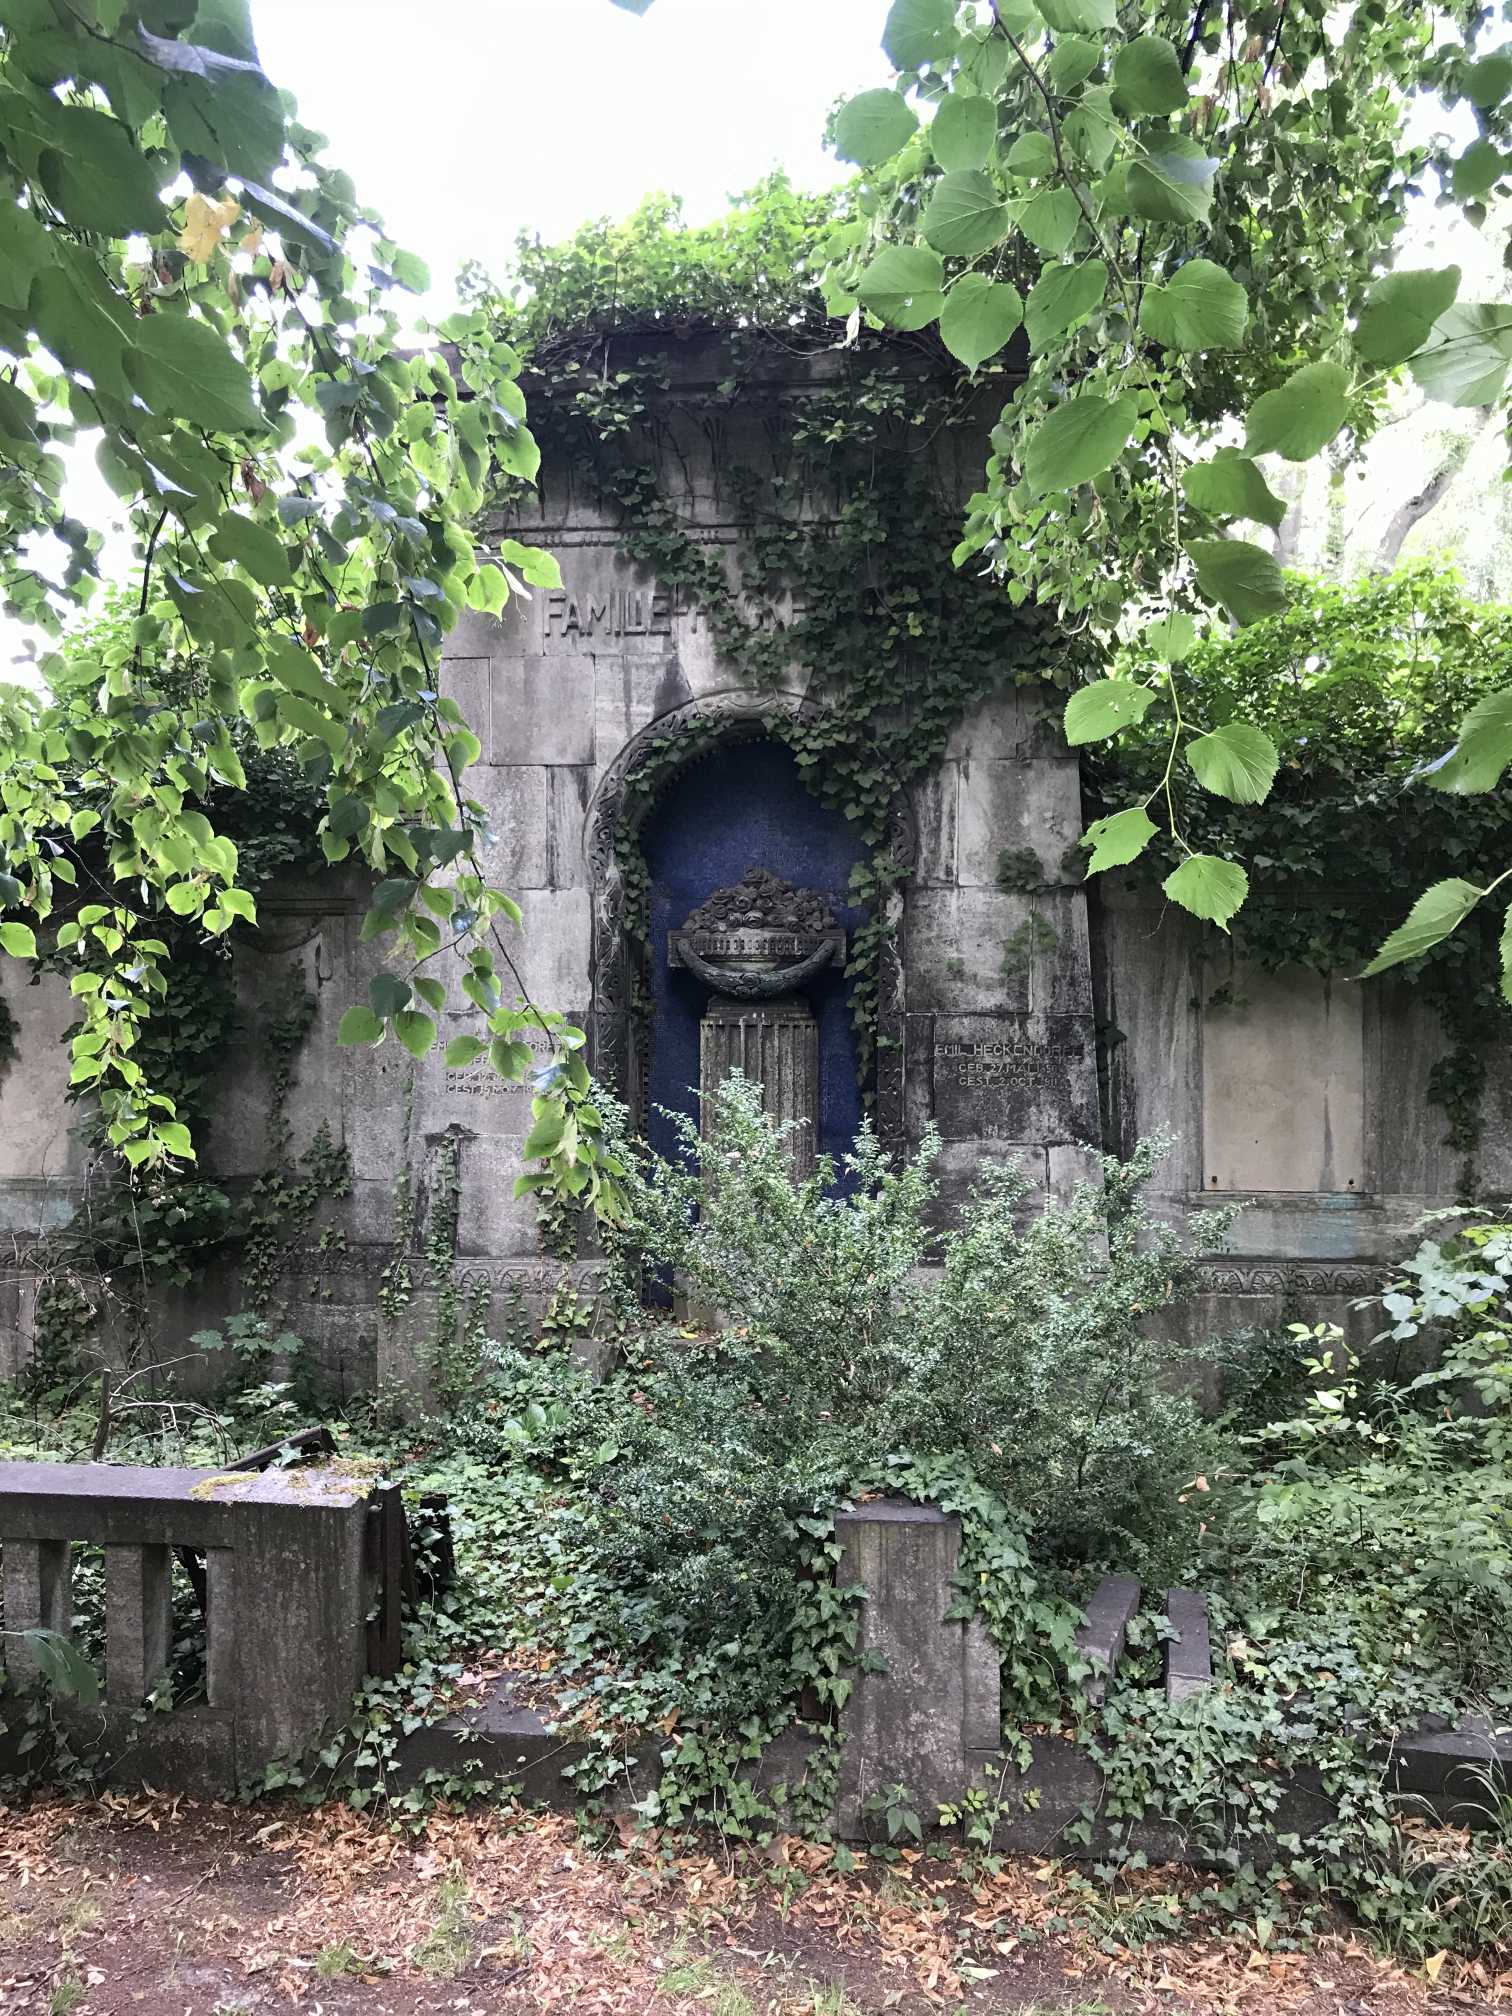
758 939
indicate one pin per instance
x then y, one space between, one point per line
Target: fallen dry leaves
518 1910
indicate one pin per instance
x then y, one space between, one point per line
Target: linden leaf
1484 748
1078 441
1210 888
1301 416
1120 838
1235 761
1101 709
1436 913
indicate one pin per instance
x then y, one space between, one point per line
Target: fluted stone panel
776 1045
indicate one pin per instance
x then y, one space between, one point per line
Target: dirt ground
166 1908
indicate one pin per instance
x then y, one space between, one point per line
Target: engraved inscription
1007 1061
1012 1078
647 612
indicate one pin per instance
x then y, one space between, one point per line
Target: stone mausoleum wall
1304 1096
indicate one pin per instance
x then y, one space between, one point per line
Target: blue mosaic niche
745 807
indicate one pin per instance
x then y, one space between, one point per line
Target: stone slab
1101 1638
1188 1657
1013 807
1013 1078
1283 1081
541 711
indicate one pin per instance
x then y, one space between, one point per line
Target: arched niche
624 990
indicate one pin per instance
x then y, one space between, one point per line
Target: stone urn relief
755 946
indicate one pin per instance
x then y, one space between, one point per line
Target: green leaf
1209 887
411 272
1097 711
966 215
360 1025
293 667
1231 486
1049 220
1171 637
1484 748
1436 913
1301 416
545 1137
872 127
19 940
1072 61
24 252
1031 154
416 1031
184 370
463 1050
388 993
81 328
1074 17
1174 183
254 547
1119 839
1487 81
174 1136
1244 578
978 318
1478 170
918 32
962 132
306 719
1236 761
899 272
1061 296
1466 360
1147 76
93 172
1198 308
59 1662
1078 441
1400 311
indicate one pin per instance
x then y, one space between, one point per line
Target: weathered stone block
1013 808
541 711
939 1690
935 806
1283 1076
1188 1656
38 1597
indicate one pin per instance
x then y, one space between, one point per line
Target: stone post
939 1694
138 1621
38 1597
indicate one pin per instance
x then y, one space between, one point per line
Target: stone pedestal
776 1045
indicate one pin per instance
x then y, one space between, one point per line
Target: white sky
465 121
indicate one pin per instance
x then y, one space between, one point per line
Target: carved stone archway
617 1036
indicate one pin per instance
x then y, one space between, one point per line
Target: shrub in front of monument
854 1341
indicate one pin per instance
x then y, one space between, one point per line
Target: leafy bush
1386 1505
849 1332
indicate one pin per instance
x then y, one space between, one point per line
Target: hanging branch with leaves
186 284
1181 221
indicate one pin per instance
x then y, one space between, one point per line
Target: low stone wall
291 1573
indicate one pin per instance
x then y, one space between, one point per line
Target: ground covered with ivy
647 1554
